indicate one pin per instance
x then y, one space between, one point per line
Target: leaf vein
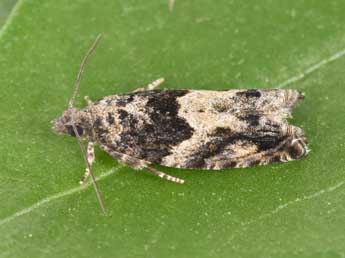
312 68
289 203
55 197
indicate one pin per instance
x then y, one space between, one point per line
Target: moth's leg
151 86
88 100
91 159
140 164
164 175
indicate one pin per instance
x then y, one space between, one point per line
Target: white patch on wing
198 108
205 111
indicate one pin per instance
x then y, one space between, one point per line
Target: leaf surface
293 209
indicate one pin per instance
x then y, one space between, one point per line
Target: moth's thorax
114 116
80 118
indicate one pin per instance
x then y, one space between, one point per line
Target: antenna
81 70
70 106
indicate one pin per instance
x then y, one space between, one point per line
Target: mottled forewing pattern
201 129
147 122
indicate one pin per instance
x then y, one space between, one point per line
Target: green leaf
5 8
293 209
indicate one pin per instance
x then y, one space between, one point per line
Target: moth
194 129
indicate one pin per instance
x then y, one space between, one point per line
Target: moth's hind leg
91 159
151 86
164 175
140 164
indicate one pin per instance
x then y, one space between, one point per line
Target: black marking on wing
223 138
252 93
110 118
100 129
152 140
124 100
250 118
123 114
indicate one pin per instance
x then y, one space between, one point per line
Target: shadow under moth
198 129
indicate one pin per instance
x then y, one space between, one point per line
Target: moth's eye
70 130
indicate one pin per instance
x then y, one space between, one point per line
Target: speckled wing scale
197 129
200 129
192 128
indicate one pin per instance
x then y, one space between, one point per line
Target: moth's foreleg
140 164
151 86
91 159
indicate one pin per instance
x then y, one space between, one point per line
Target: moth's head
63 124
